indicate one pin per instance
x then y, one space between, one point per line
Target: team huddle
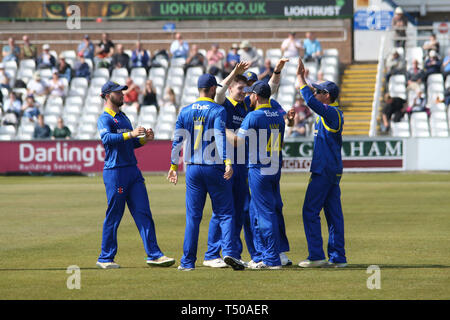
231 138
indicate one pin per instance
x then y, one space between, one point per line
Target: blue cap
110 86
207 81
251 76
328 86
261 88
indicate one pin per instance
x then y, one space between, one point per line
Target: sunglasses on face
320 91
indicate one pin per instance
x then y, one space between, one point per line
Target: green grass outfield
398 221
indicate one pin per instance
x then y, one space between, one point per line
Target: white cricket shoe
161 262
313 264
261 265
184 269
236 264
252 264
285 261
215 263
107 265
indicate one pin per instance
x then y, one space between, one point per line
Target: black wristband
277 72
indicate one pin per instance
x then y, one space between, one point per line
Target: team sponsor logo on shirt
270 113
200 106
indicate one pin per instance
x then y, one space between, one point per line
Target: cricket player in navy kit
263 131
123 180
326 171
202 126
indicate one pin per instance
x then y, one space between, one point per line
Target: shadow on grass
287 268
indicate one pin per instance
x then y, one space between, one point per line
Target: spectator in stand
195 58
179 48
313 48
395 64
232 59
302 116
30 109
29 50
41 130
432 64
4 78
61 131
291 47
37 86
86 48
131 95
45 60
81 68
103 52
446 65
150 95
446 98
393 106
415 76
249 54
10 52
431 44
215 60
56 86
266 71
418 104
64 69
399 24
13 104
120 59
140 57
169 98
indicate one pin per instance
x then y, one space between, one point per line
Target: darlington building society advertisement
87 156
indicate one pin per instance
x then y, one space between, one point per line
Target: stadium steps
357 89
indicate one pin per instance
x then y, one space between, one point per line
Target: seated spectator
104 51
29 50
249 54
150 95
302 116
131 95
266 71
179 48
195 58
61 131
393 106
169 98
215 60
41 129
30 109
86 48
232 59
45 59
431 44
415 76
56 86
395 64
37 86
81 68
4 78
446 65
64 69
13 104
313 48
418 104
432 64
291 47
120 59
10 52
140 57
399 23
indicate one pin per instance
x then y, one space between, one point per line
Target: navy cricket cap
251 76
328 86
207 81
110 86
261 88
